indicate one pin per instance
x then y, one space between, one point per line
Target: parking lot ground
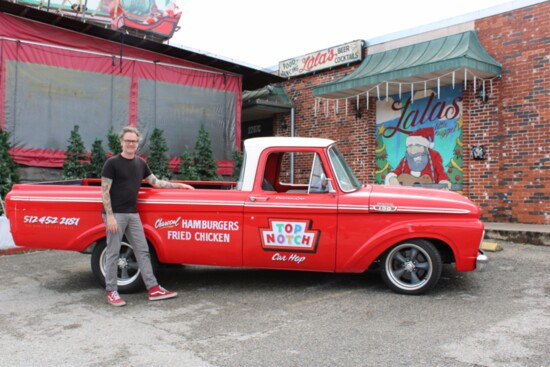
54 313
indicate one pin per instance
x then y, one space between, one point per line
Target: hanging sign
324 59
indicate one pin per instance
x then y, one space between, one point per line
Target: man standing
120 183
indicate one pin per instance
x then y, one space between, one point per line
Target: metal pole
292 154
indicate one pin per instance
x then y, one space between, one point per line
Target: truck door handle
259 198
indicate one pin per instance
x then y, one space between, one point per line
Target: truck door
290 217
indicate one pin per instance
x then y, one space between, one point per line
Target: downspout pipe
292 154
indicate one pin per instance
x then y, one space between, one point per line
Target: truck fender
383 240
152 235
85 242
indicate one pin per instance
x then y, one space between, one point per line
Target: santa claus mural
421 165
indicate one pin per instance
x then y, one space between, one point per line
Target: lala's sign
324 59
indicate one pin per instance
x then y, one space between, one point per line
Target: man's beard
417 162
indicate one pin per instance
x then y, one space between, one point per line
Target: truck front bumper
481 259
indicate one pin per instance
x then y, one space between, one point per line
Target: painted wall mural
419 139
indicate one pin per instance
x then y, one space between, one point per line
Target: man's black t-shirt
127 175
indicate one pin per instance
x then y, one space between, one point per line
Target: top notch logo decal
289 235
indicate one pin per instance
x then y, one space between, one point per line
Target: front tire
411 267
128 273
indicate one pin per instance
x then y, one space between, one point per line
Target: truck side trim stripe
405 209
372 208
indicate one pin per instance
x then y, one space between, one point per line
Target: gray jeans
129 224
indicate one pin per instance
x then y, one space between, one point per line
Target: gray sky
261 33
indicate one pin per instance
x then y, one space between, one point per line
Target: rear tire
411 267
128 273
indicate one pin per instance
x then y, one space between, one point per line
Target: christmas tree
113 141
382 165
8 175
237 164
187 167
76 163
158 157
454 167
205 164
97 159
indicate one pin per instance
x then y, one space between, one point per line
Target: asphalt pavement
54 313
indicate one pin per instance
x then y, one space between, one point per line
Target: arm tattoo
105 195
155 182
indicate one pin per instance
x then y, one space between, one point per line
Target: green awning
265 102
427 64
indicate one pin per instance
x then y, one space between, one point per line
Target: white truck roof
286 141
254 147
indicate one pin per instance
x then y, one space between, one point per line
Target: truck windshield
346 179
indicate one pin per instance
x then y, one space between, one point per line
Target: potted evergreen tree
8 173
158 156
76 163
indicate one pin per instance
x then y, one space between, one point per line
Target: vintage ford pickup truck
297 206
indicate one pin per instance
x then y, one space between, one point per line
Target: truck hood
406 199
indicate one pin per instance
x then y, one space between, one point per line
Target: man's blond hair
129 129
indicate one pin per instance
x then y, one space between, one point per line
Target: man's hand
185 186
112 225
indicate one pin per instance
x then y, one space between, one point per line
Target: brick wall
513 184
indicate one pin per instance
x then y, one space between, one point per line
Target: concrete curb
533 234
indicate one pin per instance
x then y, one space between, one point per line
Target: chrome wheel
412 267
127 267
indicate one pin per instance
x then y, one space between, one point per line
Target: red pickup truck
296 206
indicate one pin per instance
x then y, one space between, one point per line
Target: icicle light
316 106
453 77
487 90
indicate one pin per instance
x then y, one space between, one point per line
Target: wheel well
90 248
447 255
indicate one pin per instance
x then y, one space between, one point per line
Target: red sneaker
157 293
114 299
